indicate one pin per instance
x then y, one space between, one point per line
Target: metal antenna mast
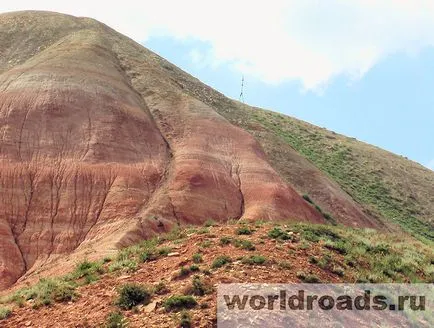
242 90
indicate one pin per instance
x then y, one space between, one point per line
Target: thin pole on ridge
242 90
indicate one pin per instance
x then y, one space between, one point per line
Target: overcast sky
304 52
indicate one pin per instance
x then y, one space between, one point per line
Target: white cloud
275 40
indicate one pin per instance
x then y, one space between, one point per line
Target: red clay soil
88 160
97 300
103 143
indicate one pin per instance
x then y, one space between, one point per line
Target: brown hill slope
103 143
192 262
86 158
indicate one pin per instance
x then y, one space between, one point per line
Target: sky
363 68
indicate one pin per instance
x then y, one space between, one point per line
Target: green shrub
329 218
131 295
5 313
285 265
338 270
183 272
243 231
307 277
185 321
202 231
244 244
116 320
127 265
194 268
339 246
164 251
179 302
197 258
198 287
47 291
315 233
161 288
206 244
225 240
89 271
210 223
220 261
278 233
254 260
307 198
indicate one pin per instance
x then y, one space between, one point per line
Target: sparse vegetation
88 271
308 277
198 287
243 231
278 233
161 288
220 261
307 198
47 291
206 244
185 321
116 320
131 295
360 254
361 176
5 313
197 258
194 268
179 302
210 223
225 240
244 244
254 260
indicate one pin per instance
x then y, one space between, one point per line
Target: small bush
5 313
307 277
164 251
243 231
277 233
206 244
185 321
161 288
329 218
244 244
220 261
225 240
210 223
179 302
202 231
285 265
198 287
148 255
339 246
88 271
254 260
315 233
127 265
194 268
183 272
307 198
338 270
115 320
131 295
197 258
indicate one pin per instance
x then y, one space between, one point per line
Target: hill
103 144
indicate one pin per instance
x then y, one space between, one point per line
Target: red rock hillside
101 147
